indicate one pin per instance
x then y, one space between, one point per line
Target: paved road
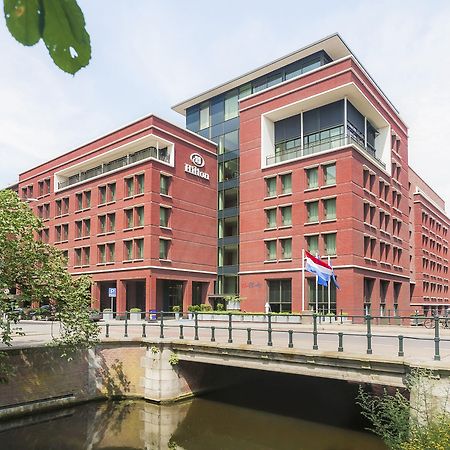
419 342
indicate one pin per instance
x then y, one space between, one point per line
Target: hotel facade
304 153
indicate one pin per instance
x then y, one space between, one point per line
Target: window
140 216
111 252
164 216
286 183
271 186
77 261
82 228
329 174
140 183
129 187
286 248
87 199
102 224
65 232
58 209
313 244
228 170
86 256
164 248
139 244
271 216
111 222
164 184
111 192
286 215
384 286
128 250
271 250
101 195
368 289
312 178
101 253
65 205
280 295
329 206
329 241
129 218
312 210
231 105
204 116
58 233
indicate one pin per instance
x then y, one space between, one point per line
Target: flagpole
303 279
317 291
329 286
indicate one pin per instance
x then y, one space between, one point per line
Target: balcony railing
161 154
283 154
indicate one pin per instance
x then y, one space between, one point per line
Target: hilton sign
198 162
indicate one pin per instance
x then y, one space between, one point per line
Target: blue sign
112 292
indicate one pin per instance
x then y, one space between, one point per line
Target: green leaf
24 20
65 36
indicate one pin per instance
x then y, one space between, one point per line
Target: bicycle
430 322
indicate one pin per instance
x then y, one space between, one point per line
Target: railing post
341 341
249 336
291 341
341 316
416 319
107 330
181 332
143 331
126 325
437 339
400 346
369 334
315 345
269 330
161 334
195 325
213 334
230 330
389 316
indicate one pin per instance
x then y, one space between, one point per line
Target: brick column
187 295
95 295
150 293
121 301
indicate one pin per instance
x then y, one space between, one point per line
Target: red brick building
303 153
322 158
429 227
136 210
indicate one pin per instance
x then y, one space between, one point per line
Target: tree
38 270
59 23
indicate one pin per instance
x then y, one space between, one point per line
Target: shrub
135 310
107 310
204 307
176 309
220 307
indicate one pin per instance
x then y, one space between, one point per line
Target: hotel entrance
171 294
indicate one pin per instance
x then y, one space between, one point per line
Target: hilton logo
198 161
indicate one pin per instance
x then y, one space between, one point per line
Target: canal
258 412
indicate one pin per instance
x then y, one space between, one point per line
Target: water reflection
201 423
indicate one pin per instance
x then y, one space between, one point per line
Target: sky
148 56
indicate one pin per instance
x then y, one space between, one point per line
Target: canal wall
42 378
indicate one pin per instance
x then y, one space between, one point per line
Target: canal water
271 412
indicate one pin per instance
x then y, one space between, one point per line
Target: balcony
160 154
292 149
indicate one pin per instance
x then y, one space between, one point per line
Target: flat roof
333 44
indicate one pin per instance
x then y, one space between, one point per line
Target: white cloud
148 57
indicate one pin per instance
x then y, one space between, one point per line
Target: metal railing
164 325
320 145
161 154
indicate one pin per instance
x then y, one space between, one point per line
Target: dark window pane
287 129
193 118
331 115
217 110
